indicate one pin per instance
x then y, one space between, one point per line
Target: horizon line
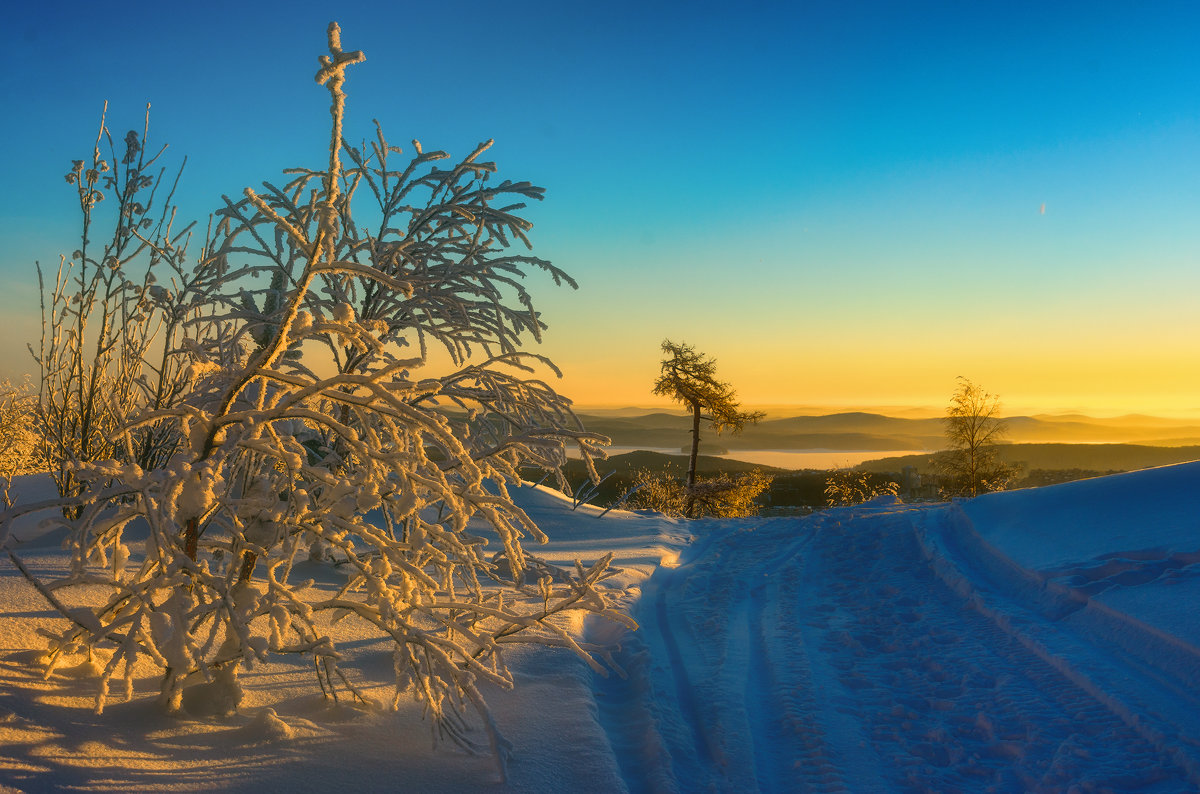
826 409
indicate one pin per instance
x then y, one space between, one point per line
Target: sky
846 204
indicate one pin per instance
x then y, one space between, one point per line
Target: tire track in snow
788 754
947 700
851 761
1141 690
656 713
747 677
824 655
721 665
684 691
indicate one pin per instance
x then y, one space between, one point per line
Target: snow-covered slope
1131 541
1025 641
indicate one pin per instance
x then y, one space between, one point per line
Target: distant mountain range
869 431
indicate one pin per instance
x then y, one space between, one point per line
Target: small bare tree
690 378
109 330
973 428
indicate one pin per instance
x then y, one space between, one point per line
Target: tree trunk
691 475
973 464
191 538
249 559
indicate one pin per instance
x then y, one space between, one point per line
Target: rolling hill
868 431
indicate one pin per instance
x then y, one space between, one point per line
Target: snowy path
866 650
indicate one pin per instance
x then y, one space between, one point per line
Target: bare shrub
724 496
852 487
20 448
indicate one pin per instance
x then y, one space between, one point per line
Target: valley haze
862 430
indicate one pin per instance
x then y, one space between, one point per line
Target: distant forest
1038 464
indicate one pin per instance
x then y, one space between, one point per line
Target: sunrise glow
843 209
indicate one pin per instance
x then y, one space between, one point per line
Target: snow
1035 640
1131 541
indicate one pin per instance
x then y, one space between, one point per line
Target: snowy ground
1041 640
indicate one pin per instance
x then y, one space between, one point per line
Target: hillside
867 431
1099 458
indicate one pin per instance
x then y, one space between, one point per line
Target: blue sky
841 202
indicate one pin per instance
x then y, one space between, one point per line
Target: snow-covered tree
109 330
973 428
312 425
690 378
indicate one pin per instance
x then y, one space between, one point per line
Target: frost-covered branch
273 401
